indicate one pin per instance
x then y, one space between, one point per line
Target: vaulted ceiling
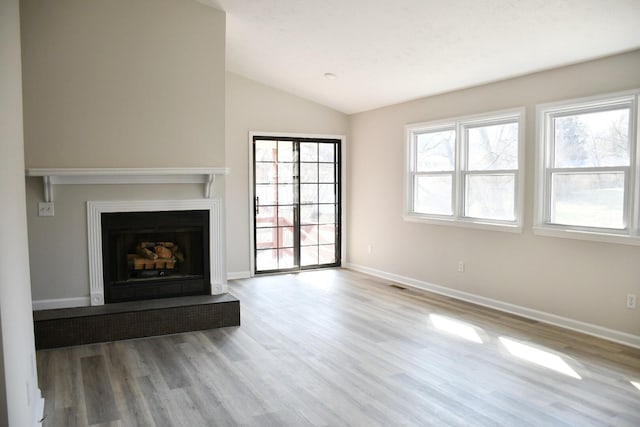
385 52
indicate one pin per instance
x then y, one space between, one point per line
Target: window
466 171
587 179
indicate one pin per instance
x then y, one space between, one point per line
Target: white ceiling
385 52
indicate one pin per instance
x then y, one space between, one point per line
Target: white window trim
628 236
458 219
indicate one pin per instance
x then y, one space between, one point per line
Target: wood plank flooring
338 348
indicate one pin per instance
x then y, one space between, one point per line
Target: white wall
585 281
21 404
4 415
252 106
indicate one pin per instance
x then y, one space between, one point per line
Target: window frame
460 172
545 169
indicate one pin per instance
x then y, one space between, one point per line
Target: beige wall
114 83
19 395
123 83
160 101
58 245
585 281
254 107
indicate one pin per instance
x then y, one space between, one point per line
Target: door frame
343 189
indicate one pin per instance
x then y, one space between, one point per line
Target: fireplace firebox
157 254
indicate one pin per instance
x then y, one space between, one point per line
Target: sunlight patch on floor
539 357
323 279
455 327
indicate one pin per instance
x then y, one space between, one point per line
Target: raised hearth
136 319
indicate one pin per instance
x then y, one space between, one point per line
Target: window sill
586 235
464 223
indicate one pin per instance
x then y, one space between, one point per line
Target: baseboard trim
39 410
238 275
49 304
541 316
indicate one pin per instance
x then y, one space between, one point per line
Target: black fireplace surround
130 241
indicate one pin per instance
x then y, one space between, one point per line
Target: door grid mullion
271 253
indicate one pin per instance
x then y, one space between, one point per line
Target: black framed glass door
297 203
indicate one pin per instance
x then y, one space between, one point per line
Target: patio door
296 203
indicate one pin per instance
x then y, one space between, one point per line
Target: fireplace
145 249
155 254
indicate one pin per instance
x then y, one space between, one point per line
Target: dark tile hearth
137 319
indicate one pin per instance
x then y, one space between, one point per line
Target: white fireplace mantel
95 209
57 176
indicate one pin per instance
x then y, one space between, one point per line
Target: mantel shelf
58 176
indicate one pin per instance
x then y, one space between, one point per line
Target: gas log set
155 256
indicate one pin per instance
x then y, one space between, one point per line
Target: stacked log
155 256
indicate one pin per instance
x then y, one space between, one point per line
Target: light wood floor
338 348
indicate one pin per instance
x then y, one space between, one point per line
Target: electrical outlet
631 301
45 209
461 266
